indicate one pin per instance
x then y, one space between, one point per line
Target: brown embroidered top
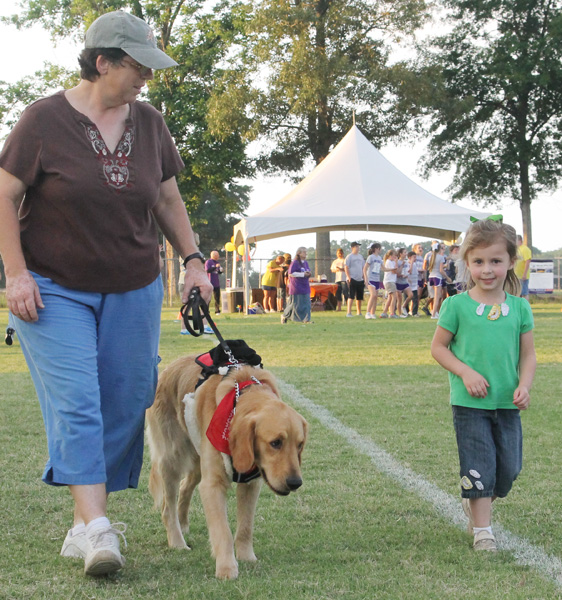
86 219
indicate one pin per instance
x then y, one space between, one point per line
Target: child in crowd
413 277
451 269
338 267
402 283
390 269
430 290
437 276
422 278
460 274
372 275
484 339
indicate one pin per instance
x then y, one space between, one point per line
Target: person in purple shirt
214 269
298 307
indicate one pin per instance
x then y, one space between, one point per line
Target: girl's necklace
496 311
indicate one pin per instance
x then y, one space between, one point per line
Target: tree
198 41
497 111
303 70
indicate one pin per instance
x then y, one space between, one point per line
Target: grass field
352 531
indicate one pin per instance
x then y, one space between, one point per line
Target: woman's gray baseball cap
119 29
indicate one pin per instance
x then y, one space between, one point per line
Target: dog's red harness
218 431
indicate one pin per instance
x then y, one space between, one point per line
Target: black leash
9 336
193 312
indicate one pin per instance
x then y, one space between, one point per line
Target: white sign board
541 276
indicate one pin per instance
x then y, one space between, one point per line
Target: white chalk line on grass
445 505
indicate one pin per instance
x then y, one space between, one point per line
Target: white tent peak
356 188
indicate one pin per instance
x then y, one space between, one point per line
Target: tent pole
246 277
234 261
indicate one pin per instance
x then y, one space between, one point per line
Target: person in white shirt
390 269
338 267
354 264
437 276
402 283
372 276
412 303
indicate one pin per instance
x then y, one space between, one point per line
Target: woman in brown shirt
86 176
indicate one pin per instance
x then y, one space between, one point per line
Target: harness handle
193 312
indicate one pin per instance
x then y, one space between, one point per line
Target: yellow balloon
241 249
229 247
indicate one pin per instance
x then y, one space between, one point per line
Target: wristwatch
198 255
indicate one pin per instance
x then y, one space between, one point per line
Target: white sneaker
349 315
103 555
368 316
404 312
75 546
208 330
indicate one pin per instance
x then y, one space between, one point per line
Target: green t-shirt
491 348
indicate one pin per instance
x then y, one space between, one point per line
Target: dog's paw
178 543
227 571
246 554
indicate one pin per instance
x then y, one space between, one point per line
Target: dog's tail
155 483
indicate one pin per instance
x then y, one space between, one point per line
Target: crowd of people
402 278
408 281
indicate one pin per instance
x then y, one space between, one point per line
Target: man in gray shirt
354 264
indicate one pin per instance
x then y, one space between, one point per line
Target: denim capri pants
93 359
490 444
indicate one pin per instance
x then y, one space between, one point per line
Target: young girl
413 278
484 339
372 276
402 283
390 268
437 276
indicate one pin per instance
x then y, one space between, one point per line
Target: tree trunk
527 226
323 259
525 203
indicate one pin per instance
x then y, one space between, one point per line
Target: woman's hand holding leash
197 278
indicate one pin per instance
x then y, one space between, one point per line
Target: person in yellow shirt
522 266
269 283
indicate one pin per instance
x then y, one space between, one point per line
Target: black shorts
356 289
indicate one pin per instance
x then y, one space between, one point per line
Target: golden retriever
264 432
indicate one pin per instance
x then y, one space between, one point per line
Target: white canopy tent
355 188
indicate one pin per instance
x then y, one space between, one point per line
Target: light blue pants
93 359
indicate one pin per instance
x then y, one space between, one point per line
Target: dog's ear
242 438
